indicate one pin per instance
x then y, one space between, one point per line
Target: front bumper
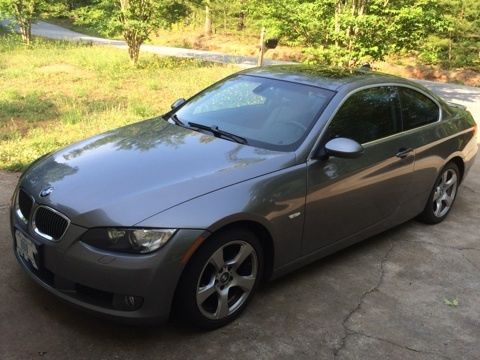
94 279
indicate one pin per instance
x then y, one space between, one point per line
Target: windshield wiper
176 120
219 133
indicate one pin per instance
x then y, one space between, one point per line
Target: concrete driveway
386 298
410 293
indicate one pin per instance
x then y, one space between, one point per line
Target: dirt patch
61 68
468 77
227 43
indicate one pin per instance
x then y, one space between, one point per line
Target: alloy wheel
445 193
227 280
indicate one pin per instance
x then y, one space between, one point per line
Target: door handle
403 153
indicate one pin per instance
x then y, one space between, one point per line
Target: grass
55 93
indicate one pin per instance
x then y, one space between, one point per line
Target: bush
449 54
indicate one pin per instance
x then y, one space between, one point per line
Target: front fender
269 200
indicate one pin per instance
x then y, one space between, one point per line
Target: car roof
326 78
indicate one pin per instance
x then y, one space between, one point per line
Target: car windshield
268 113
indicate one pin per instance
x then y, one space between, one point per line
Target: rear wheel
443 195
220 279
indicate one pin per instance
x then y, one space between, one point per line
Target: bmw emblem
47 191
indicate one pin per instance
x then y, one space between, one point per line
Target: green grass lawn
55 93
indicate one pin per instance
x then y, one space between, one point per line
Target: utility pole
262 47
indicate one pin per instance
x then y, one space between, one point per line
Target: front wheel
442 196
220 279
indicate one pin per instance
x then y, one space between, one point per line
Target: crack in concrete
348 331
470 189
457 248
405 347
11 287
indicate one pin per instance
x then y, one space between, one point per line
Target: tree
346 32
457 43
221 9
24 13
208 19
138 18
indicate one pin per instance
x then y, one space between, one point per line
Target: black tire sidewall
185 299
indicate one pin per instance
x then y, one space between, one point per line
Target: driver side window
367 115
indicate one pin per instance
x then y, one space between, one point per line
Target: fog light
127 302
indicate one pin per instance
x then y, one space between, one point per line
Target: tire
214 288
443 195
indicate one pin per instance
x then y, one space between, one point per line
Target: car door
346 197
425 133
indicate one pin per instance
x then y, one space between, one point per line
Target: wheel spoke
436 195
444 177
244 252
222 307
217 259
449 199
205 292
439 206
452 181
244 282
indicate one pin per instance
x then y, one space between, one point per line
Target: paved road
51 31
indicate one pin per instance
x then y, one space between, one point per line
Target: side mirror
343 148
178 103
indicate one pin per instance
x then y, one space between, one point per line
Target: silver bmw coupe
261 173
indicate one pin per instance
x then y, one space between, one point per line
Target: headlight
140 241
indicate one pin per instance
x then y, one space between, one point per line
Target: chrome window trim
371 86
45 236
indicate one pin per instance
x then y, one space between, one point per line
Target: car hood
129 174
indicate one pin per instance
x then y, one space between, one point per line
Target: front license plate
27 249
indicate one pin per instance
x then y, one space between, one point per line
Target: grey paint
154 174
343 148
100 181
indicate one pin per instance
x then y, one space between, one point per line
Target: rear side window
417 109
367 115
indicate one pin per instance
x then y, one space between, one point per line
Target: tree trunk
133 48
241 16
26 31
338 11
241 21
134 53
208 19
225 21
